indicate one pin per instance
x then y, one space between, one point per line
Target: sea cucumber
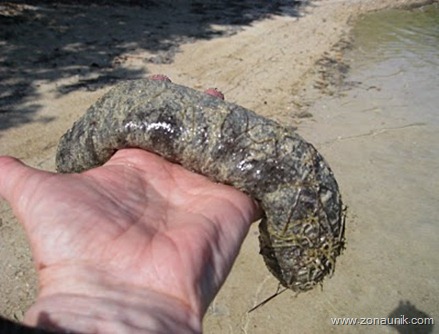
302 231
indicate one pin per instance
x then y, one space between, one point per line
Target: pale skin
138 245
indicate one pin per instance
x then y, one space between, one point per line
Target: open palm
138 220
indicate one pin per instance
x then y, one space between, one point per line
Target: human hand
136 245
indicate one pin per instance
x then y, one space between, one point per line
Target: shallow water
381 137
399 50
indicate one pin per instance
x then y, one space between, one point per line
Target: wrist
89 304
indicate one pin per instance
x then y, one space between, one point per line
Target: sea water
398 51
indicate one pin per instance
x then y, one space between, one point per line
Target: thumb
13 175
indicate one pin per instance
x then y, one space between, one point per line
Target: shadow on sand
87 44
407 319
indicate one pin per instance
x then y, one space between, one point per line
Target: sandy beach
279 60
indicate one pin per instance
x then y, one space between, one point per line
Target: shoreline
268 66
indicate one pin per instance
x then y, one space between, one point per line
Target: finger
11 169
160 77
14 175
214 92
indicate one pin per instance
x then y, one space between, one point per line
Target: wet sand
279 62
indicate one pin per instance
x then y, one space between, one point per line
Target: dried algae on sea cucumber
302 231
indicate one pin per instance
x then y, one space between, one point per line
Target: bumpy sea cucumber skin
302 231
